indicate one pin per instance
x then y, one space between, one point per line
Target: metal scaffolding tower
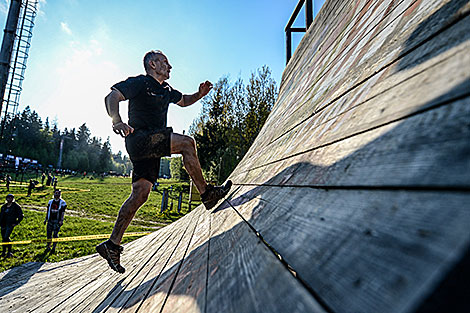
13 56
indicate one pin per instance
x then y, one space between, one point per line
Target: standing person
54 218
10 216
30 187
43 176
148 139
8 182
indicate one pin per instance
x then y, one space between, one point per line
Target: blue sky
82 47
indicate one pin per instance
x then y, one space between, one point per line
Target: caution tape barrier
76 238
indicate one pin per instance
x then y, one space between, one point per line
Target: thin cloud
5 6
65 28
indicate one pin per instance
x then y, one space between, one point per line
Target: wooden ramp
355 196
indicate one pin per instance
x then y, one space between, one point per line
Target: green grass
97 202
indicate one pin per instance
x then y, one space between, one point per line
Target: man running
148 139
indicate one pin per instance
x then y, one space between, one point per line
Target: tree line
27 136
230 119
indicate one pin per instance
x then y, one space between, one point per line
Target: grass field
92 207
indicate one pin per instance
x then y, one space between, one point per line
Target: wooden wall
355 197
360 177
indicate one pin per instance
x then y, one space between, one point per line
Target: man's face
9 199
57 194
162 66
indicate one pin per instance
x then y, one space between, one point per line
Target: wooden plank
92 294
314 143
24 295
241 268
159 293
319 81
362 250
283 119
378 102
54 278
189 291
129 298
428 150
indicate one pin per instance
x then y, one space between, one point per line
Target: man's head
156 65
10 198
57 194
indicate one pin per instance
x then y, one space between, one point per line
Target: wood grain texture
136 290
362 251
244 276
159 290
353 198
283 117
189 291
410 153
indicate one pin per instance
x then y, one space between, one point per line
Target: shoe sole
104 253
210 204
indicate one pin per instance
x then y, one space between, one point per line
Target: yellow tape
76 238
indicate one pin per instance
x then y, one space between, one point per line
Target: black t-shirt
148 101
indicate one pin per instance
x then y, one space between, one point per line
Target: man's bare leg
111 249
139 195
186 146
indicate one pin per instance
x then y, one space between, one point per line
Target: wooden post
180 200
163 206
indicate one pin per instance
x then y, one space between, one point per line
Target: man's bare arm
112 107
187 100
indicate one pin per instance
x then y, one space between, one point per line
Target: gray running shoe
213 194
111 254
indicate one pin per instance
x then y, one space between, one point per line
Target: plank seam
339 36
289 268
358 187
179 265
207 267
430 108
161 271
345 51
432 36
135 275
366 100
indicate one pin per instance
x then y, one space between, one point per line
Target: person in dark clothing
49 179
30 187
8 179
148 139
10 216
54 218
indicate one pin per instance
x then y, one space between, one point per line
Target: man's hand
122 129
204 88
61 223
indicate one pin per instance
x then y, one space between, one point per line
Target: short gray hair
150 56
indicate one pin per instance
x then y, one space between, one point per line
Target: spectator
30 187
8 182
43 176
10 216
54 218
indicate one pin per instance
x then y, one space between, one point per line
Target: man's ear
153 64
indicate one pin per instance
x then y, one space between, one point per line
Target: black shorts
145 148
